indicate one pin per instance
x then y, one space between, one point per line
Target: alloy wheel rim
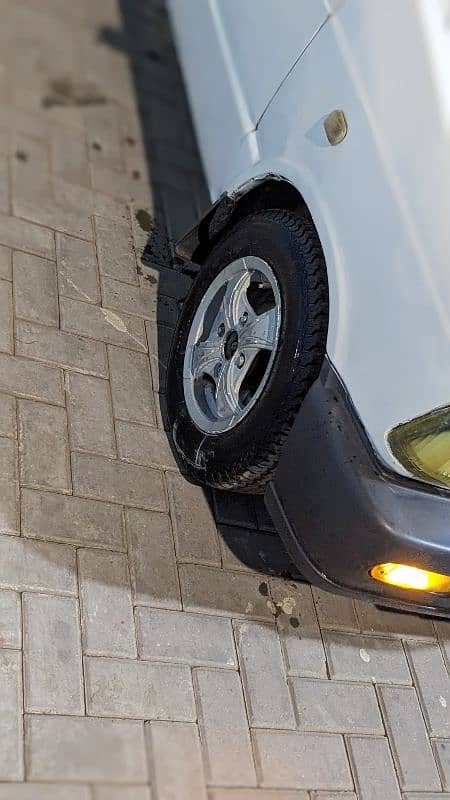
232 344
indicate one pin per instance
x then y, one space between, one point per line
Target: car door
235 54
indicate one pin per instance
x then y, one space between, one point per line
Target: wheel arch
264 192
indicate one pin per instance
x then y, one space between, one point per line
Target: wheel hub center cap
231 344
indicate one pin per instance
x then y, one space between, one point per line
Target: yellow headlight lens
407 577
423 446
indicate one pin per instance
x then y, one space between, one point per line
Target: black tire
243 458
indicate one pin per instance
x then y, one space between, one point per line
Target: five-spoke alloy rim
232 344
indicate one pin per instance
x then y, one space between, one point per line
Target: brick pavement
150 646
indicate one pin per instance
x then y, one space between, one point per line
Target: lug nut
243 319
217 369
221 329
240 360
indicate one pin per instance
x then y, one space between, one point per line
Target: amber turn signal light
407 577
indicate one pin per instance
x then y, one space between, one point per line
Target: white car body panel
380 200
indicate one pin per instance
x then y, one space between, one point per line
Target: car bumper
340 511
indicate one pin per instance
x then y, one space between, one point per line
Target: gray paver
26 236
177 760
442 751
139 689
130 484
11 751
63 518
182 637
10 619
5 263
9 507
152 559
36 566
52 655
43 446
6 317
269 794
298 628
23 378
193 521
7 416
77 269
144 445
131 386
106 608
408 737
302 760
86 319
365 658
223 728
373 768
336 707
61 348
110 792
391 623
433 685
115 250
216 591
35 289
43 791
335 612
85 749
264 679
90 417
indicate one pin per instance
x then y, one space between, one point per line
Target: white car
312 359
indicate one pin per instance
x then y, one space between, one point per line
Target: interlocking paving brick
6 263
335 612
141 301
373 769
86 319
253 550
22 235
6 317
114 249
144 445
384 622
11 735
63 518
216 591
193 522
89 409
366 658
10 620
177 760
263 517
110 792
58 347
85 749
9 500
7 416
302 760
298 628
234 509
151 555
119 482
106 608
43 791
77 269
442 751
35 289
333 796
139 689
23 378
263 676
223 726
36 566
407 734
182 637
102 128
336 707
432 683
131 386
43 446
52 655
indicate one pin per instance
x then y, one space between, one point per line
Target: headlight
423 446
